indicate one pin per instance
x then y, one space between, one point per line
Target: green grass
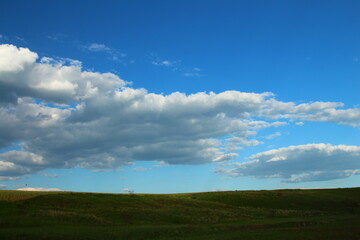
278 214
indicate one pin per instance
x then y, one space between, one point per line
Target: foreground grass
280 214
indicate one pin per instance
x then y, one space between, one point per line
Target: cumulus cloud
39 189
303 163
2 186
49 80
15 163
63 117
314 111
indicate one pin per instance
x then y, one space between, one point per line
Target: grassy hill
277 214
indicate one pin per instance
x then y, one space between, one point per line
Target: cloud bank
60 116
303 163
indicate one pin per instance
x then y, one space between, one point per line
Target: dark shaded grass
280 214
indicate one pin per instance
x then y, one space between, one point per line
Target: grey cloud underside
303 163
68 118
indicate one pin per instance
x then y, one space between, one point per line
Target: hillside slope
277 214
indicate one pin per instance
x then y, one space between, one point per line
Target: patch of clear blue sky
300 50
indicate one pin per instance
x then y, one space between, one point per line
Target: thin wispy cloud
160 164
165 63
50 175
12 38
105 170
4 38
175 65
58 37
140 169
3 178
272 136
112 53
20 39
97 47
99 170
194 72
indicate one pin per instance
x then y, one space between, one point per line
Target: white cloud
238 143
99 170
49 80
218 190
140 169
14 163
176 66
20 39
59 37
274 135
194 72
2 178
15 59
243 142
165 63
39 189
50 175
2 186
98 47
95 121
314 111
160 164
189 74
3 37
311 162
112 53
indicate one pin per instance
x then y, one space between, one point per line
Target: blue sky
179 96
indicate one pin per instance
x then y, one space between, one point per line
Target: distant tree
131 192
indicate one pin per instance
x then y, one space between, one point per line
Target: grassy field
278 214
